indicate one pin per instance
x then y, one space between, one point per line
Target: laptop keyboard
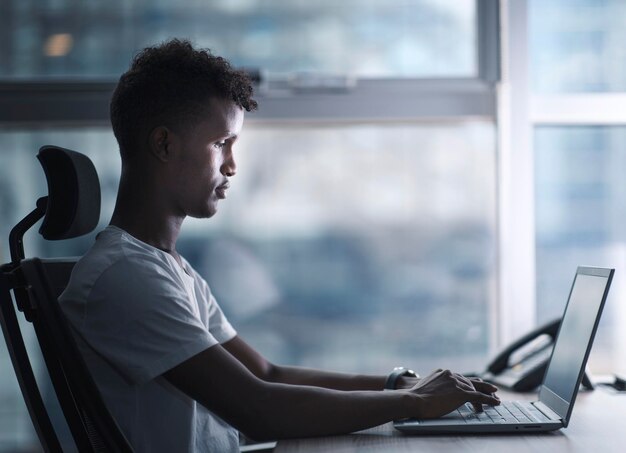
507 412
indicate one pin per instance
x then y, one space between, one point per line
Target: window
349 226
576 71
577 46
580 216
63 38
357 245
363 214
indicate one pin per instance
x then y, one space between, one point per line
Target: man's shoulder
114 245
116 255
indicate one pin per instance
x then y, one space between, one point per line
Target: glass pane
351 247
374 38
577 45
580 204
362 244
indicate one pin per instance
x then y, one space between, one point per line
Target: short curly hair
170 84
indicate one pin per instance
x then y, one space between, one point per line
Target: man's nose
229 167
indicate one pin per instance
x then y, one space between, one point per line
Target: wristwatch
392 379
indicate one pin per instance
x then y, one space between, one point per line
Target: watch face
407 372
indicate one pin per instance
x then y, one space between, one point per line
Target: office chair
71 209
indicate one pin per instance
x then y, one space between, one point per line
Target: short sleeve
143 320
219 326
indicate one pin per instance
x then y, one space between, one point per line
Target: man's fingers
465 385
476 384
463 379
478 407
482 398
486 392
483 386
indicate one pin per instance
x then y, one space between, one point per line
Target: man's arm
267 371
268 410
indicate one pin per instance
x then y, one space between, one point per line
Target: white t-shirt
136 314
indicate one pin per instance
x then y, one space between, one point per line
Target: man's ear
160 142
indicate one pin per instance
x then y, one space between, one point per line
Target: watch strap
392 379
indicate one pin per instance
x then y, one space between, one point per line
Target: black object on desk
617 386
521 365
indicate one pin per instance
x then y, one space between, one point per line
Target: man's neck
143 215
160 235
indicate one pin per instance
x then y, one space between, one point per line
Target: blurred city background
360 245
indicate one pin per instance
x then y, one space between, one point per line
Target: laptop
561 382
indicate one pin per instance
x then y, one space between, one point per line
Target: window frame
516 281
85 102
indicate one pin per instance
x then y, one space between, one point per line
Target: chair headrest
73 207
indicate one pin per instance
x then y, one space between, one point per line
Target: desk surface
598 424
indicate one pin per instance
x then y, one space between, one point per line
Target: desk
598 424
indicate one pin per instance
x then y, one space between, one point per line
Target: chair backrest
71 209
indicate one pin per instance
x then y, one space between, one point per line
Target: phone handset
521 366
502 360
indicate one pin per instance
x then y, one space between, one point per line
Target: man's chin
206 213
204 210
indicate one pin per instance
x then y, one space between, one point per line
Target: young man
171 368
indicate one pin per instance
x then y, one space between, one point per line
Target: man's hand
444 391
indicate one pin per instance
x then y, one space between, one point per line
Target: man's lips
221 190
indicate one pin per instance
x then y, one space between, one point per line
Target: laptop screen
576 330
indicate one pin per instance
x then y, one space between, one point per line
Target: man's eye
220 144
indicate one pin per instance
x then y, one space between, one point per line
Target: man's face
205 161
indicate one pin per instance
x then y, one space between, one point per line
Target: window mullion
516 306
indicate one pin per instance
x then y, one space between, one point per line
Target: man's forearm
331 380
325 379
287 411
269 372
